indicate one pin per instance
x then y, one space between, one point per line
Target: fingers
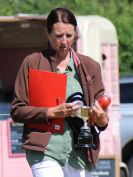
67 109
100 116
73 106
97 106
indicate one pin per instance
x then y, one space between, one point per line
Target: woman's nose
64 40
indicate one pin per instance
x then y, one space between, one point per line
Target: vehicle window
126 91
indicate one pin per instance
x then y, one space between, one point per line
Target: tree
119 12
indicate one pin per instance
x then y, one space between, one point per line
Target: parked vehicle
126 121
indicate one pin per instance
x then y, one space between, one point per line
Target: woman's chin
63 49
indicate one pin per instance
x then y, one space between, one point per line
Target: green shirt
61 146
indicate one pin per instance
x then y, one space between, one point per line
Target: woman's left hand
98 115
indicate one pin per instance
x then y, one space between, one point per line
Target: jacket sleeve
99 91
21 111
98 83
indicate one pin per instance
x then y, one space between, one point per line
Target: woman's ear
46 32
77 33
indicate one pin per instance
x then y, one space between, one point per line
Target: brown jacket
90 76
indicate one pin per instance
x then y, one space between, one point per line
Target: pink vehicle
23 34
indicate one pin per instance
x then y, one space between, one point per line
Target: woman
52 154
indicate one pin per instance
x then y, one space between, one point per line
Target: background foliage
118 11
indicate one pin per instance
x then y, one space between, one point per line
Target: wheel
123 173
130 166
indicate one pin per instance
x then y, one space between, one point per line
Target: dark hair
60 15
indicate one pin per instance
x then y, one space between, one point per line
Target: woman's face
62 37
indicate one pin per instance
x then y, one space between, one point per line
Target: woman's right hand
63 110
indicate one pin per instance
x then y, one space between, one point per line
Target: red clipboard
45 90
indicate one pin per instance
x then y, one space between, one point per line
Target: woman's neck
60 57
62 60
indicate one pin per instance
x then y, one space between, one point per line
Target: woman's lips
62 47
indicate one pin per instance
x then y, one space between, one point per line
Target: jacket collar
85 78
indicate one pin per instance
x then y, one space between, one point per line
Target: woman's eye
62 36
69 35
59 36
